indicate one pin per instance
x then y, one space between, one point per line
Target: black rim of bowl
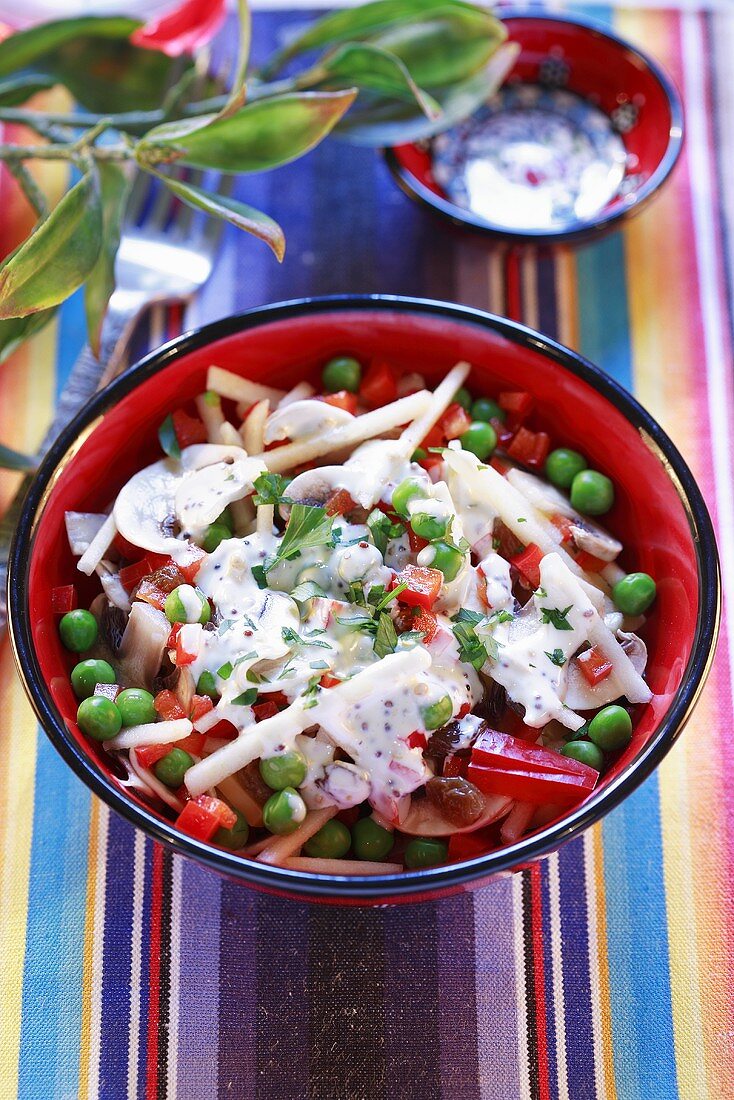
298 883
577 230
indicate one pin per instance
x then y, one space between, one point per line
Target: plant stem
62 152
30 188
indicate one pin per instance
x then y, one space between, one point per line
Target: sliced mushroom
346 784
303 419
315 486
423 819
81 527
635 649
143 645
586 535
595 540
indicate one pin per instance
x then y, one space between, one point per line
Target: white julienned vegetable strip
253 428
265 519
242 800
282 728
300 392
361 428
316 866
152 733
113 587
630 682
236 388
212 416
164 793
229 435
98 547
441 398
81 527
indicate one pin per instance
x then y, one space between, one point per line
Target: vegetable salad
357 630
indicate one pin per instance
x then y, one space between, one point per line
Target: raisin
254 783
505 543
443 741
456 799
167 577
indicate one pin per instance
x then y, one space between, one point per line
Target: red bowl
580 56
659 511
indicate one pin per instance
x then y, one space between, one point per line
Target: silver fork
167 252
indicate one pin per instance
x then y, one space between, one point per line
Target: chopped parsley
308 526
247 698
556 657
225 671
258 573
318 664
270 489
386 637
384 598
472 650
167 437
306 590
291 638
557 618
382 529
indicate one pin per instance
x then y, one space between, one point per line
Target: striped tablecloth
604 972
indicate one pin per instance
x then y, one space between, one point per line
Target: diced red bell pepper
455 765
198 821
130 575
589 562
168 706
182 657
151 593
129 551
554 788
502 750
527 564
148 755
223 731
226 816
191 563
63 599
340 503
379 385
426 622
562 524
594 666
498 465
469 845
416 740
193 744
188 429
502 431
329 681
434 438
433 465
530 448
200 705
423 586
343 399
454 421
279 698
388 510
518 405
416 542
265 710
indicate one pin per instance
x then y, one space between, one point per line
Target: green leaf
270 489
368 66
245 217
15 330
376 121
556 617
58 256
383 529
14 460
386 637
114 185
21 88
307 590
246 699
308 526
167 438
262 135
354 24
27 47
556 657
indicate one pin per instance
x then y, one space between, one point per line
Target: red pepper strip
416 740
455 765
200 705
433 465
223 731
227 817
423 586
498 465
131 575
379 385
148 755
564 525
340 503
189 26
328 681
530 448
264 710
518 405
501 750
527 564
435 438
343 399
168 706
63 599
194 743
416 542
188 429
182 657
198 821
469 845
594 666
503 433
589 562
129 551
427 622
554 788
454 421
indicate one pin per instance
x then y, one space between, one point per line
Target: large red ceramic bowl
659 513
581 57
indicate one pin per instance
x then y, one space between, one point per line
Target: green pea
78 630
411 488
611 728
332 841
463 397
184 602
425 852
585 752
439 713
370 840
288 769
87 674
136 707
99 718
418 455
480 438
172 768
234 838
207 685
447 558
562 465
284 811
484 408
215 533
342 373
634 593
226 519
592 493
429 527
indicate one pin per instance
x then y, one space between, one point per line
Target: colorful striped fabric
605 971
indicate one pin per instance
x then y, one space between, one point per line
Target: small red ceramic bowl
583 132
659 514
